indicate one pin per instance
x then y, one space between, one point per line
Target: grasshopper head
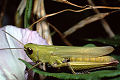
29 49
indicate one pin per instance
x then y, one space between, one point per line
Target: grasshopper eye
28 50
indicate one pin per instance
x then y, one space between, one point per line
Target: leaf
96 75
113 41
27 13
89 45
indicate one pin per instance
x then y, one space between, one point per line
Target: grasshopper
76 58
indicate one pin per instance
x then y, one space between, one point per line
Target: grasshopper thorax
32 51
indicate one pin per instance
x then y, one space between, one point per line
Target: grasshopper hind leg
71 69
64 64
74 72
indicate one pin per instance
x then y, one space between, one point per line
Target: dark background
66 20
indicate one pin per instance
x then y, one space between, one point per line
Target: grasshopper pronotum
76 58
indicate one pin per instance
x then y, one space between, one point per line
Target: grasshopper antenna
11 48
13 37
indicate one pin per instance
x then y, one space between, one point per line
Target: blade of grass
115 41
27 13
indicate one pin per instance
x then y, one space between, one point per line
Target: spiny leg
43 67
35 66
62 65
71 69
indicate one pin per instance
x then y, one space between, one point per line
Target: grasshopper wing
71 51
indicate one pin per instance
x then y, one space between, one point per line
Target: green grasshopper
76 58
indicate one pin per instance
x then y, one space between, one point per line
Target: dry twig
104 23
21 7
61 35
89 7
85 22
42 27
67 2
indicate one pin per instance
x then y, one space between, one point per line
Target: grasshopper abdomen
82 63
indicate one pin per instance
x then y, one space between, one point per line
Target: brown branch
85 22
67 2
61 35
89 7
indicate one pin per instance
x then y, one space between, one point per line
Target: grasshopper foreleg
37 65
